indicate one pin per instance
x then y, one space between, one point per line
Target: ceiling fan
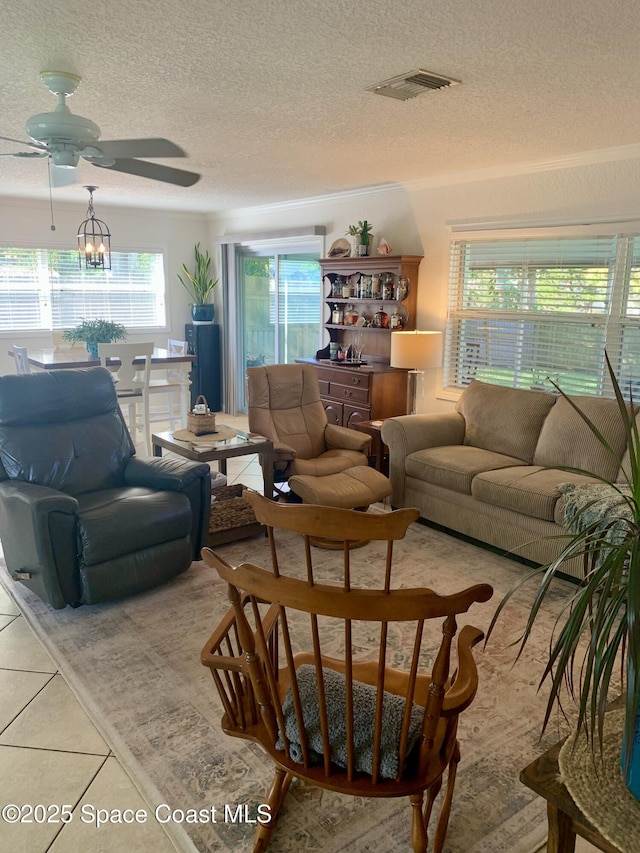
65 137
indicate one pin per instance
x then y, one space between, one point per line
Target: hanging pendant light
94 240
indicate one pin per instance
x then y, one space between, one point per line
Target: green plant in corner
199 283
599 629
95 332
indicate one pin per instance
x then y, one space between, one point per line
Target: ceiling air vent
411 84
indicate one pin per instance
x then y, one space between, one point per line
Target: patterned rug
135 666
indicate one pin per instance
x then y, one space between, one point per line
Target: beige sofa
490 468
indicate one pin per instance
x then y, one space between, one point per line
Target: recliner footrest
355 487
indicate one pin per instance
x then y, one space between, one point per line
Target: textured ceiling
268 96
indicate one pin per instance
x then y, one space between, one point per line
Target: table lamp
415 351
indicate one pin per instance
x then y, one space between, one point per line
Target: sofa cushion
529 489
567 441
505 420
455 466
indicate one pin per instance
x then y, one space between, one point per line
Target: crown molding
568 161
330 198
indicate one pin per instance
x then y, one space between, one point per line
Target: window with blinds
46 289
531 312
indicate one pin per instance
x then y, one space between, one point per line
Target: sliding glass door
279 307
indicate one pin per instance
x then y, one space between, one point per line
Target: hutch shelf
353 393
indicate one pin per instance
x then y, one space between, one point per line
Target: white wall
415 220
24 222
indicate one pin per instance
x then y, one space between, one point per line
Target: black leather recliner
82 519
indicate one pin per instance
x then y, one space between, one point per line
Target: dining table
66 358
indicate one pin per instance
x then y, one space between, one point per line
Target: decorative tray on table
346 362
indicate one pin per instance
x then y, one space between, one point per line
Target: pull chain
53 227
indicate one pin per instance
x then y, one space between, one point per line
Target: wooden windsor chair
348 722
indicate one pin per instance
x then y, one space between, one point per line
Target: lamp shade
415 350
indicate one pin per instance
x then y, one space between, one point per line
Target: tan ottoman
351 489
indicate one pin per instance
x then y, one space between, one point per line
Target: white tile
17 689
112 789
251 481
6 620
20 649
45 777
55 720
7 604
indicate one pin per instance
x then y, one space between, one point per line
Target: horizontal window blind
46 289
532 312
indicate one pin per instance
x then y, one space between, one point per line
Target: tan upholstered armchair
285 406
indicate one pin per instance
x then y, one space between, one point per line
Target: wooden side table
379 455
565 818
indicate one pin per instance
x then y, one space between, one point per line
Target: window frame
46 297
620 313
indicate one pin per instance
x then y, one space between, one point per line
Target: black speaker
203 341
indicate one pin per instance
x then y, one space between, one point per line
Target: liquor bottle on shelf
337 316
395 321
402 288
381 319
387 286
350 316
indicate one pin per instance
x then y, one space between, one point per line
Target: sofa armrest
38 531
343 438
407 434
178 475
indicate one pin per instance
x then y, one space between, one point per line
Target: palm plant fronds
599 627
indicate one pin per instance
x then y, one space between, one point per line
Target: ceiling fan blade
115 148
155 171
31 144
28 155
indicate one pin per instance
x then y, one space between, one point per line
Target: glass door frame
233 255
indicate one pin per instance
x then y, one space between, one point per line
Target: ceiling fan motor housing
64 133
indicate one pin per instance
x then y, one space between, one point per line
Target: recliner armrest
164 473
178 475
342 438
284 452
38 530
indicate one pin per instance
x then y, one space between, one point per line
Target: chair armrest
342 438
284 452
409 433
465 683
178 475
164 473
38 531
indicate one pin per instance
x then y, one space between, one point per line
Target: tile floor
52 753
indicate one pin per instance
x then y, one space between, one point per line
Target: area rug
135 666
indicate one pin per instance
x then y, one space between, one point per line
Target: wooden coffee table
240 444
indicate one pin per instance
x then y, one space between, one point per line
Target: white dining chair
21 358
171 386
132 383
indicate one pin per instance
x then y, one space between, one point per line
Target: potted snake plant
200 284
599 630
